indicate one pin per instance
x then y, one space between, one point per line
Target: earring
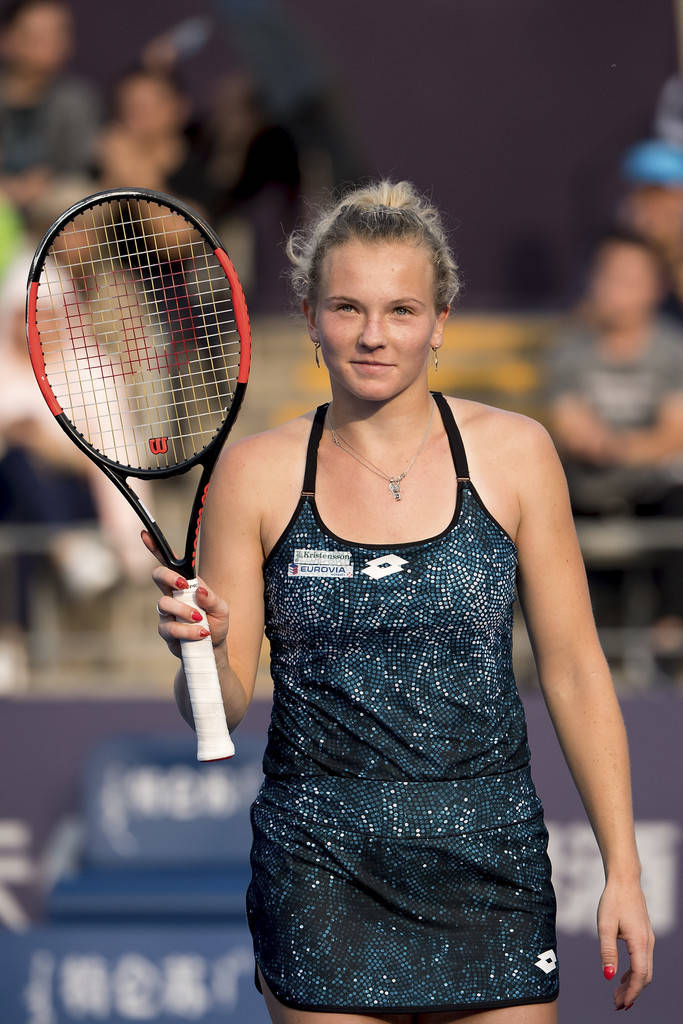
436 359
316 345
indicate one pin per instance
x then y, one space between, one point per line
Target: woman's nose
372 334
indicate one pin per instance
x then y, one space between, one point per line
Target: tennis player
399 861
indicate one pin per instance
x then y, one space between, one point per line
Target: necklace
394 481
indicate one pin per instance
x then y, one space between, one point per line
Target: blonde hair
383 211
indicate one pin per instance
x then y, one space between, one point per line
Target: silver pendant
395 487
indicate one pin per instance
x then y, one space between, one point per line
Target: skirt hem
434 1008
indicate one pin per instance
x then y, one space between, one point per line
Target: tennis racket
139 338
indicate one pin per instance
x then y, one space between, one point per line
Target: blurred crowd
615 386
268 139
246 162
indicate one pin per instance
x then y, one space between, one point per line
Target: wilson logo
158 445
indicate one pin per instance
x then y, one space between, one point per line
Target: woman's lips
370 365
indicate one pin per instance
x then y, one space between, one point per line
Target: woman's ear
311 322
437 334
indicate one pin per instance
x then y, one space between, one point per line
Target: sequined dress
399 858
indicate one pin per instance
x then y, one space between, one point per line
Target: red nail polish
203 591
204 632
629 1006
609 971
196 616
181 584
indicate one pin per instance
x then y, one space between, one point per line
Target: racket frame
208 455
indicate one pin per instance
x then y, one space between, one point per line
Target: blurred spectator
615 380
253 167
294 80
653 206
147 144
44 479
247 151
275 132
48 120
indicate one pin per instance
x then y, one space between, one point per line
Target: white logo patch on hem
547 961
385 565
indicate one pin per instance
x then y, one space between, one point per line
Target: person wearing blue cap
615 393
654 162
653 207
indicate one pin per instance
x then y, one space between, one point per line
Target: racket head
138 332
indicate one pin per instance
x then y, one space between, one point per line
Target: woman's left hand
622 914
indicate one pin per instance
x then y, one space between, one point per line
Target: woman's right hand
179 621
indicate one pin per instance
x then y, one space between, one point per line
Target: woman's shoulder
512 458
506 449
496 428
267 455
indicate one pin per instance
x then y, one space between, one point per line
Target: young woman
399 864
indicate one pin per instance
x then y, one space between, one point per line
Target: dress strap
454 438
312 451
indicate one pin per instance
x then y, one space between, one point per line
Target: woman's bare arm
230 569
580 695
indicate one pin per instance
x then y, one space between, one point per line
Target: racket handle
199 662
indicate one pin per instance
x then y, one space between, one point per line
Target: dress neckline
463 485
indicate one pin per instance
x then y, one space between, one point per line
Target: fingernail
196 616
203 591
629 1006
609 970
204 632
181 584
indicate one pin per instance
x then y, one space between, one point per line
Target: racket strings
138 333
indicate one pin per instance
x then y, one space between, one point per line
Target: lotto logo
547 961
385 565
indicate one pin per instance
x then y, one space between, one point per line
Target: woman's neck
395 425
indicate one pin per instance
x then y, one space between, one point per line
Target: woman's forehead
361 264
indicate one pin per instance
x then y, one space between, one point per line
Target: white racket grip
199 662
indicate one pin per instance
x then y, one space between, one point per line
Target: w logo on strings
158 445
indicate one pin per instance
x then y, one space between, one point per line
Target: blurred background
551 135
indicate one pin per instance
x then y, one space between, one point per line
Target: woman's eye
344 307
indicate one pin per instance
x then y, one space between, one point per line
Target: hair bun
380 211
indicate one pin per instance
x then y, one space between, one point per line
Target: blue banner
148 801
119 975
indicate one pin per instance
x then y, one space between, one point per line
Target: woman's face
375 317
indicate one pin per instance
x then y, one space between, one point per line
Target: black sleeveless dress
399 859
